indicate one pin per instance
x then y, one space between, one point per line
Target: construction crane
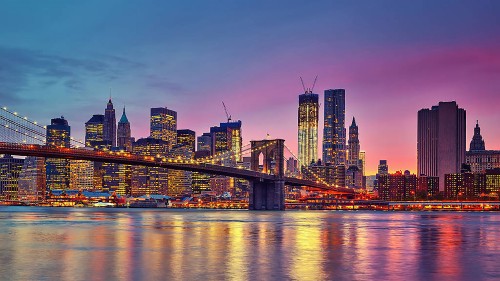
308 90
227 114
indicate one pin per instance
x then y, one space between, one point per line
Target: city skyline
49 70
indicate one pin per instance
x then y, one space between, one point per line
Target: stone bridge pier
268 194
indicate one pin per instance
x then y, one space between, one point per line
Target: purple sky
392 57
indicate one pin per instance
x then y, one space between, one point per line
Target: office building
187 138
10 168
31 185
205 142
124 138
163 125
94 131
334 132
109 126
441 140
149 180
57 170
179 182
478 157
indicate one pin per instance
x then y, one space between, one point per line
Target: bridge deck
131 159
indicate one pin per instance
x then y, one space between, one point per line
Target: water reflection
114 244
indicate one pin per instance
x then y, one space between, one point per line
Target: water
142 244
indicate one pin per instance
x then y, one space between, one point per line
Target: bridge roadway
131 159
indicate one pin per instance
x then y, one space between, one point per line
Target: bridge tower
268 194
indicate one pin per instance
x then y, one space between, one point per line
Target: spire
353 122
477 142
124 118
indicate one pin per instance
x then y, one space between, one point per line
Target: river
39 243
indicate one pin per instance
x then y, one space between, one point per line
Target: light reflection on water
132 244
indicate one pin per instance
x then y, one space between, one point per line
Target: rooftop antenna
303 86
110 93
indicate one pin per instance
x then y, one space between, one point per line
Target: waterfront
145 244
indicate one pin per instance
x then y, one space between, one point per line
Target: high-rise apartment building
308 128
334 132
123 133
109 126
57 170
163 125
441 140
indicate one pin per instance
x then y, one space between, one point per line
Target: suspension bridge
24 137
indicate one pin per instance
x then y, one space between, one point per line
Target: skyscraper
236 138
383 168
308 128
94 131
58 135
163 125
441 140
477 142
10 168
109 126
354 147
187 138
32 179
334 132
149 180
205 142
123 133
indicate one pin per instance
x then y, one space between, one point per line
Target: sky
392 57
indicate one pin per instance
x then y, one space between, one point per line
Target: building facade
10 169
149 180
58 170
163 125
334 131
94 131
308 128
32 179
124 137
109 126
441 140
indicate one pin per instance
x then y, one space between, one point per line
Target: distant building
32 179
236 138
187 138
478 157
94 131
354 147
427 188
492 185
149 180
334 132
81 175
180 182
308 128
354 177
10 168
163 125
221 185
441 140
109 126
362 158
383 168
57 170
397 186
124 133
200 181
205 142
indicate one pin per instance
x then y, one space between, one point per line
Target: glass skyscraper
163 125
308 128
58 135
334 132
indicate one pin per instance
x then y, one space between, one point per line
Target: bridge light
15 113
4 108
